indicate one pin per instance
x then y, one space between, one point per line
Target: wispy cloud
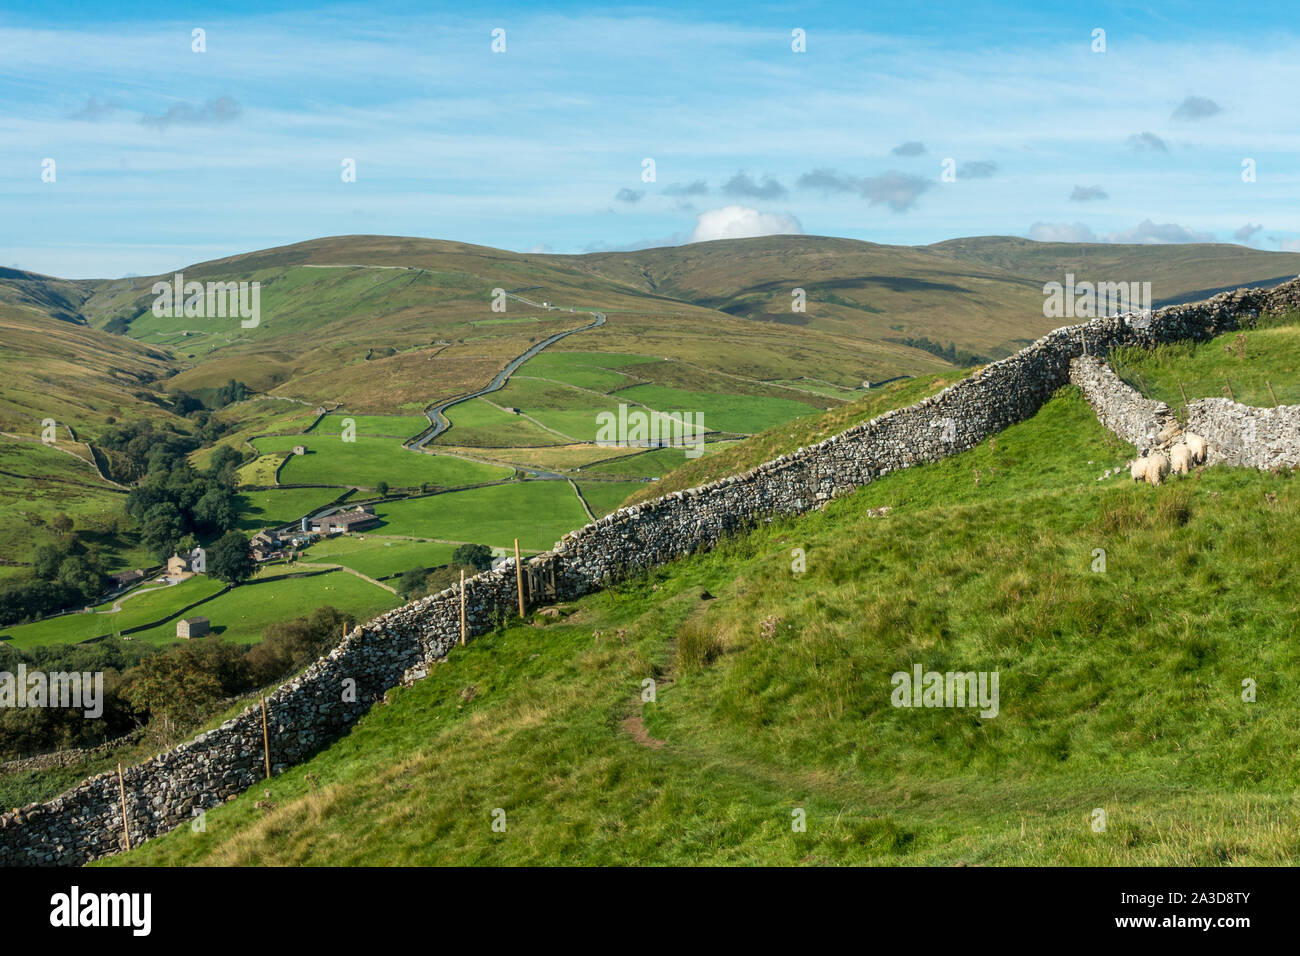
1147 143
742 187
95 109
897 190
977 169
1196 108
910 148
629 195
1088 194
697 188
223 109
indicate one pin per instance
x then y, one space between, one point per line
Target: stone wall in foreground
315 708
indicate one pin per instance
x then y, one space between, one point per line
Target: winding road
438 421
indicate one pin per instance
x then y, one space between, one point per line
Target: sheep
1157 468
1196 445
1138 468
1180 459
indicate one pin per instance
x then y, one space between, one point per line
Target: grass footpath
1119 689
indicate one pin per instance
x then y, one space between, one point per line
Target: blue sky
164 156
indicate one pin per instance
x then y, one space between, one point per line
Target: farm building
193 627
300 449
124 578
341 522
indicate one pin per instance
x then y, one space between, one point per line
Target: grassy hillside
1254 367
1120 689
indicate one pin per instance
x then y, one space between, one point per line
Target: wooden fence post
266 740
1271 392
121 788
519 578
1183 390
462 607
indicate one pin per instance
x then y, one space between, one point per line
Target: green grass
1249 362
242 614
139 608
606 496
538 513
742 414
1118 690
36 483
377 556
277 506
480 424
650 464
594 370
390 426
370 460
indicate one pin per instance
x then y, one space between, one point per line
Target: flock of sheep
1154 466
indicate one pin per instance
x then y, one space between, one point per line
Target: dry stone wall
1120 407
316 707
1244 435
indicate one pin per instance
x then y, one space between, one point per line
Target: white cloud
1061 232
1144 233
742 222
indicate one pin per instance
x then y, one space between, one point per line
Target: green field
594 370
370 460
479 423
1248 363
278 506
741 414
242 614
37 482
606 496
538 513
136 609
388 426
377 556
1117 692
650 464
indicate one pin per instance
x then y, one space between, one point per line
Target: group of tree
65 573
470 558
176 503
169 691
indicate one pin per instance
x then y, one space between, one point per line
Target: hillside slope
1120 691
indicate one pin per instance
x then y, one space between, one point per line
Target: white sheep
1157 469
1196 445
1138 468
1180 459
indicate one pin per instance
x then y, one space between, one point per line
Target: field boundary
308 712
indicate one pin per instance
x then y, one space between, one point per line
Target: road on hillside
438 421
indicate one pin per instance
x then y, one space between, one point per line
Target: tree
382 488
229 559
413 582
61 523
216 510
478 556
161 529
